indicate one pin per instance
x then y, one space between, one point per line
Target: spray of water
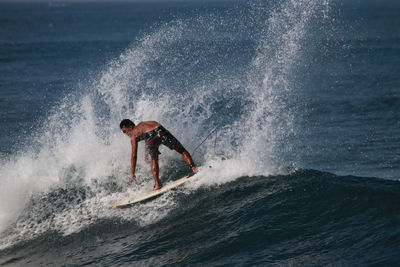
237 78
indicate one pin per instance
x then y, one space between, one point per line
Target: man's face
127 130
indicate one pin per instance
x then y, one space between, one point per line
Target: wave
306 217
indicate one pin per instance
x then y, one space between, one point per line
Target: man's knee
154 166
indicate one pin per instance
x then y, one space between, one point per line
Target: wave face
236 68
305 218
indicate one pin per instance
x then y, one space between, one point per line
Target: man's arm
146 154
133 159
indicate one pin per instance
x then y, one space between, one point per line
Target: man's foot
157 187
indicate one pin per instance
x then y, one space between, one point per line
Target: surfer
154 134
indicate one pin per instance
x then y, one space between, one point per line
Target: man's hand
131 180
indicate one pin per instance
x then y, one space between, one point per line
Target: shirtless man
154 135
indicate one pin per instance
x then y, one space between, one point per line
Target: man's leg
170 141
155 171
187 158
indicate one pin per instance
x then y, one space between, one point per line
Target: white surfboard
150 195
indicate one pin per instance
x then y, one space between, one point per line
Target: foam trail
79 161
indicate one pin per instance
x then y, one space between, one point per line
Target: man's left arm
133 160
146 154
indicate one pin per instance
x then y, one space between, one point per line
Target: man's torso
140 130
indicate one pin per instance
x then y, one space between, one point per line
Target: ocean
291 110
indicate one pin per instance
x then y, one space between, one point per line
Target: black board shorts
159 136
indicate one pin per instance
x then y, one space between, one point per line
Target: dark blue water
303 168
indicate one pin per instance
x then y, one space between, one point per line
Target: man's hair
126 123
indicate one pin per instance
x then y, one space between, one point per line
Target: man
154 135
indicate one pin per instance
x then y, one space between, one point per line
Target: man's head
126 126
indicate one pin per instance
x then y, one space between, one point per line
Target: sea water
301 99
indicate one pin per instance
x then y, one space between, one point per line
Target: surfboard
153 194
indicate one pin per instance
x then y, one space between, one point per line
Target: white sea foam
62 182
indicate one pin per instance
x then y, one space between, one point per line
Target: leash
215 129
